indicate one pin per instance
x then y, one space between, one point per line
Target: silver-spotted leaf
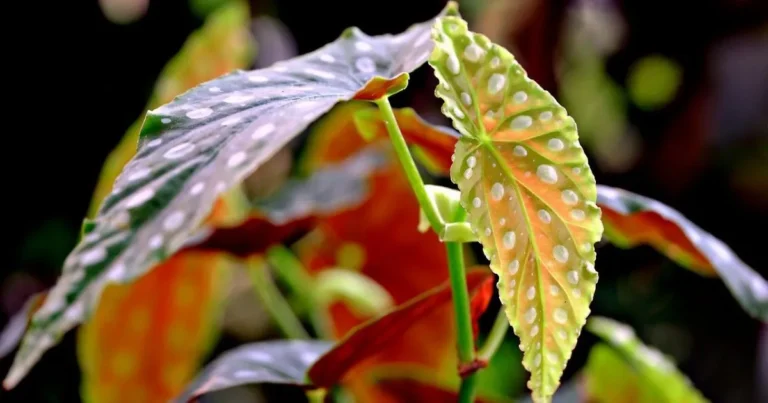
202 143
656 371
530 194
631 219
274 361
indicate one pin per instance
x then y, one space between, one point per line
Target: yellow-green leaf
647 376
530 194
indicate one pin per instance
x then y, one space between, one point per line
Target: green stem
495 338
291 270
275 304
406 160
464 335
467 389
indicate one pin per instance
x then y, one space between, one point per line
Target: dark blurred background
671 98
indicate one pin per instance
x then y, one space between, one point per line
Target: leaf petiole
273 301
406 160
495 337
464 334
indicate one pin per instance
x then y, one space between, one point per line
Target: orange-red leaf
631 219
406 390
379 336
145 339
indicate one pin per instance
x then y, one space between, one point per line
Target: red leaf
405 390
479 302
375 337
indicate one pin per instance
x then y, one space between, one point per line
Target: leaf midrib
534 245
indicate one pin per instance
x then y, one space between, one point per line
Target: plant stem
467 389
290 269
464 335
275 304
465 338
495 338
406 160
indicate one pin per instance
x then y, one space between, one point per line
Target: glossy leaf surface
221 45
274 361
146 339
631 219
376 336
199 145
654 369
527 186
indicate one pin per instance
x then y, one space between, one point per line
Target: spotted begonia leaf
654 369
527 186
221 45
202 143
631 219
273 361
146 339
380 334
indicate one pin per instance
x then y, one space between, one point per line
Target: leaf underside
656 370
201 144
631 219
274 361
529 192
375 336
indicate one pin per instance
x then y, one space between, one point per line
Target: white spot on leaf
497 191
173 221
140 197
199 113
569 197
560 253
547 174
496 83
521 122
179 151
509 240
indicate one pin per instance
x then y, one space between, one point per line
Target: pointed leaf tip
529 191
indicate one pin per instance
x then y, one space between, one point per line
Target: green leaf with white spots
202 143
658 374
530 194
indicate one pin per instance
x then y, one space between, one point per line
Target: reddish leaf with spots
202 143
630 220
529 192
379 337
